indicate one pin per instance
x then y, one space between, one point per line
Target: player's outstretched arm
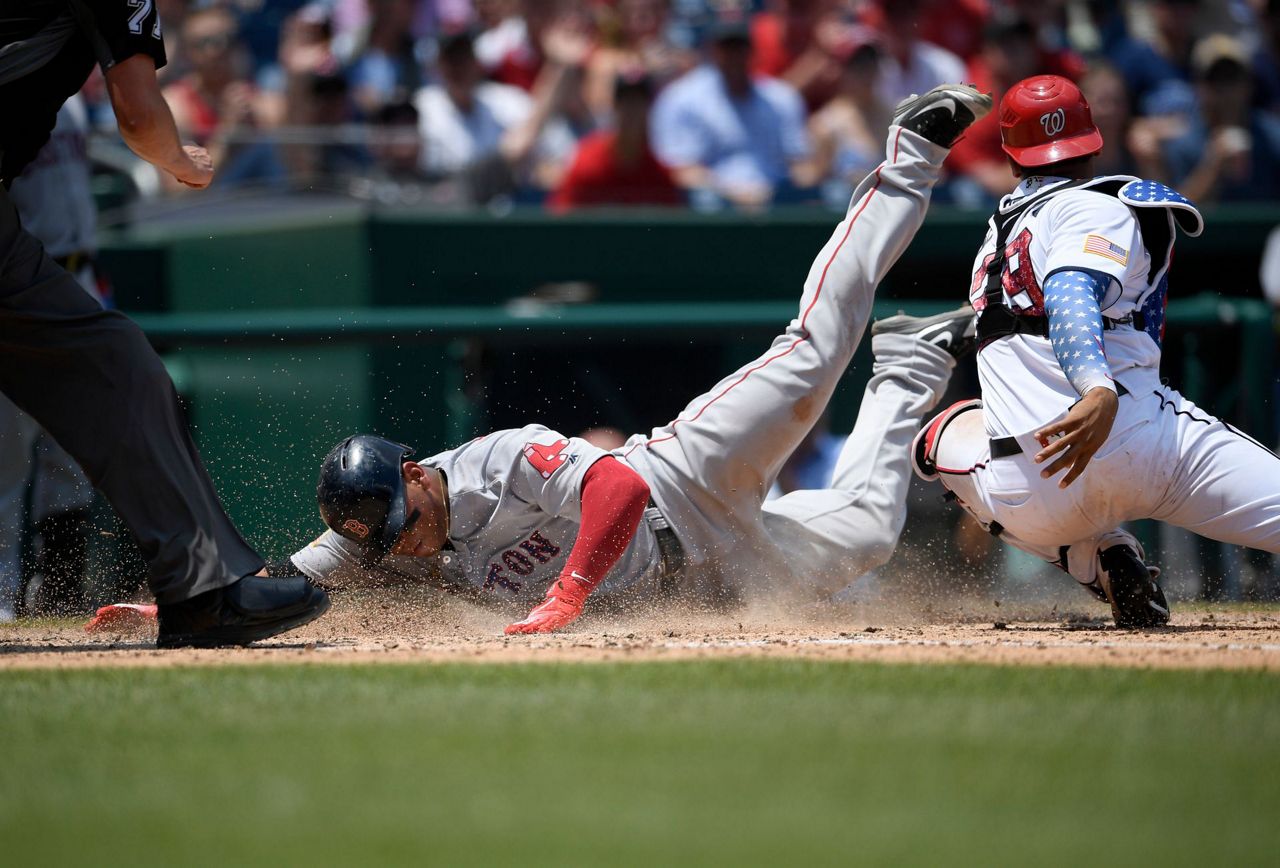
614 498
1072 304
146 123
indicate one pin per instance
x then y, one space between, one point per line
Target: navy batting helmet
361 493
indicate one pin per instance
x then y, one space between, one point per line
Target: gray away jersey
515 504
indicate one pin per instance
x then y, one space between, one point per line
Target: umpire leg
92 380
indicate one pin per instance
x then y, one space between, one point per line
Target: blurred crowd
701 103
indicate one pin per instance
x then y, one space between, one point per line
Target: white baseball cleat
943 113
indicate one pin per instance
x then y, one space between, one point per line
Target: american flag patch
1100 246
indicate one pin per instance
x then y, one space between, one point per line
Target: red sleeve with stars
614 498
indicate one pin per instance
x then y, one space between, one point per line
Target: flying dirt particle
997 602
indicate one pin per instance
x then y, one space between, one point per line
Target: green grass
732 762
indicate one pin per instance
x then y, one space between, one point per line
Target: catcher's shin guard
931 457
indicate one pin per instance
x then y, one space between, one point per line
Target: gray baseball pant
711 468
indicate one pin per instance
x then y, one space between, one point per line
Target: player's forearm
1071 302
146 124
614 498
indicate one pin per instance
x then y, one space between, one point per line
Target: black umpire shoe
955 331
253 608
1136 598
943 113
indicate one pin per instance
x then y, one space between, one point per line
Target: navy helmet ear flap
361 493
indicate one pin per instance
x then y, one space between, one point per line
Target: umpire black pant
90 377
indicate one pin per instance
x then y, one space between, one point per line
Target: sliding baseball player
533 516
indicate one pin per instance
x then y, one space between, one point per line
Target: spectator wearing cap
483 127
334 157
1010 52
728 134
848 132
1231 152
396 176
909 64
616 166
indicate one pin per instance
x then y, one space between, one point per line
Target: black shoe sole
236 636
955 127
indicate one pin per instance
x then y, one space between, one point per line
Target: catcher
1077 433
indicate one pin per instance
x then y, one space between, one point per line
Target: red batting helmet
1045 119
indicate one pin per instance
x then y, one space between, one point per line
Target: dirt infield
406 630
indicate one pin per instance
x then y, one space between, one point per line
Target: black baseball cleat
955 331
943 113
253 608
1136 598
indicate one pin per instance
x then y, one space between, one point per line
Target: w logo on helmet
1053 122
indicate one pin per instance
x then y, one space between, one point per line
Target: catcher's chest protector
1157 208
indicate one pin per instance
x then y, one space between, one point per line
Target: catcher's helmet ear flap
1044 120
361 493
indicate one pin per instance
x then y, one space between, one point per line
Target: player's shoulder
496 445
1085 204
1145 193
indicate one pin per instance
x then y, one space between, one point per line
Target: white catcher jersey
1023 385
515 504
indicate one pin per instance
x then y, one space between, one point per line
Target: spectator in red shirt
616 166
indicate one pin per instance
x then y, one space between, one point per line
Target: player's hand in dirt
1080 434
562 606
197 170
